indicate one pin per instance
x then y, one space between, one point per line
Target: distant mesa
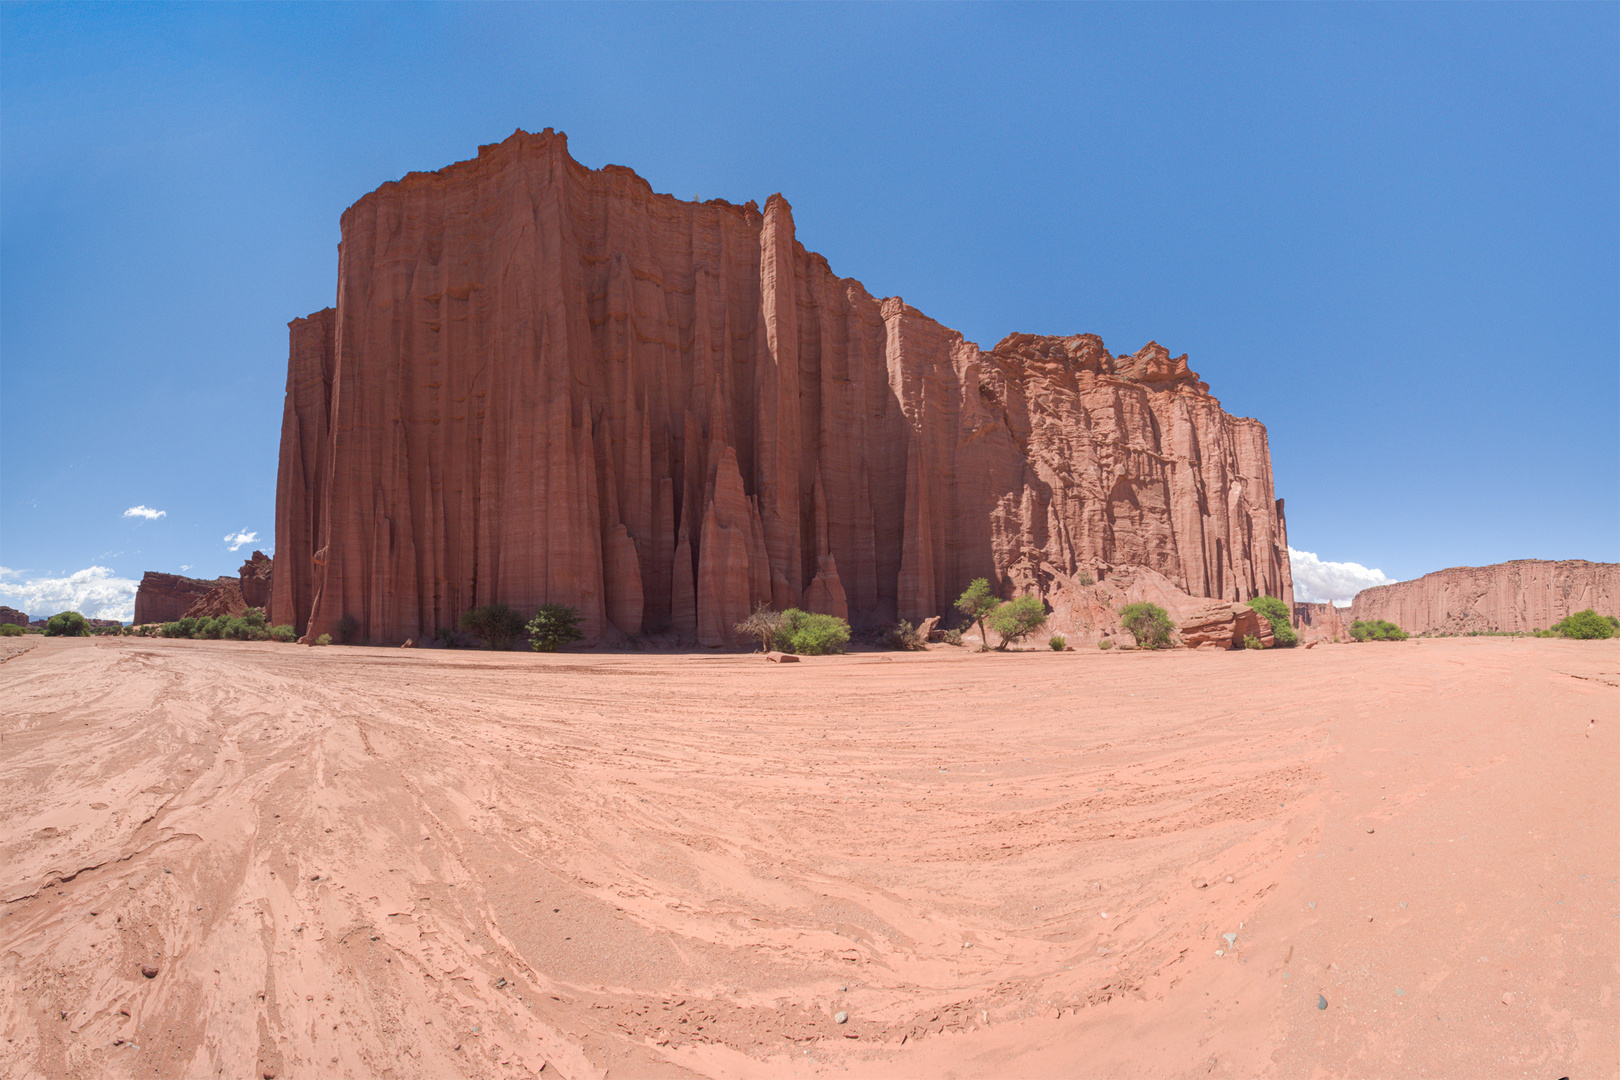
1514 597
168 597
543 383
11 616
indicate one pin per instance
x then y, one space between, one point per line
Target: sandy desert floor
391 863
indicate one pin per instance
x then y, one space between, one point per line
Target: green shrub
497 624
762 624
67 624
324 639
1376 630
1148 623
282 633
1017 619
1086 579
1105 644
1276 613
553 625
809 633
976 602
348 629
211 629
902 635
1057 643
1586 625
10 630
953 637
1251 642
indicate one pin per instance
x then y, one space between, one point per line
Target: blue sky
1391 232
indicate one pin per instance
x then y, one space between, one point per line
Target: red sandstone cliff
544 383
1526 594
255 577
166 597
13 617
1322 622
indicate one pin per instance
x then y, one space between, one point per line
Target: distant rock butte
1321 622
547 383
1526 594
11 616
166 597
255 577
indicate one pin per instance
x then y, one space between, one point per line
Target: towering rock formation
166 597
1323 622
255 577
546 383
1526 594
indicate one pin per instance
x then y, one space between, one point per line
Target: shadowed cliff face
544 383
1526 594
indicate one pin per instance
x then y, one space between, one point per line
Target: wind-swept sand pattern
371 862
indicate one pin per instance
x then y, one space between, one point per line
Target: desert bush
1149 624
282 633
902 635
67 624
1586 625
324 639
348 629
497 624
1086 579
1276 613
1057 643
976 602
1251 642
553 626
1376 630
809 633
10 630
453 638
762 624
1017 619
1105 644
952 637
212 629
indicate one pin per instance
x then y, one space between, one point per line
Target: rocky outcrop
225 598
166 597
1526 594
546 383
10 616
255 577
1225 626
1321 622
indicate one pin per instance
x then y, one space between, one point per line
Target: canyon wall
1526 594
166 597
546 383
1322 622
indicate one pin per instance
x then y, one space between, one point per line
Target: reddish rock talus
166 597
225 598
1526 594
546 383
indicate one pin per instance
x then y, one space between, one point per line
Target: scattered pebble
1507 999
1369 828
1200 883
1231 940
1369 918
1229 881
840 1017
1321 1002
149 970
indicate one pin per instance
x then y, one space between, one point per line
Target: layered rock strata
12 617
166 597
255 577
1526 594
225 598
1321 622
546 383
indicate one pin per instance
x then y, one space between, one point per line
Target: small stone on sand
840 1017
149 970
1321 1002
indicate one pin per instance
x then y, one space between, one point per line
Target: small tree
497 624
762 624
1148 623
553 626
977 602
1017 619
67 624
1587 625
1276 613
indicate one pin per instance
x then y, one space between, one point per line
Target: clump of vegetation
902 635
553 626
809 633
1586 625
1276 613
324 639
1251 642
762 624
1057 642
283 633
1017 619
1105 644
1148 623
977 602
952 637
1376 630
497 624
1086 579
348 628
67 624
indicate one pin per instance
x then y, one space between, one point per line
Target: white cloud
240 538
93 592
145 512
1318 582
184 567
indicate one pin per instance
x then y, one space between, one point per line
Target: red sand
369 862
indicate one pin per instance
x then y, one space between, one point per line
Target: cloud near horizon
1318 582
242 536
144 511
93 592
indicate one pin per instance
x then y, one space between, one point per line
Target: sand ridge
369 862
